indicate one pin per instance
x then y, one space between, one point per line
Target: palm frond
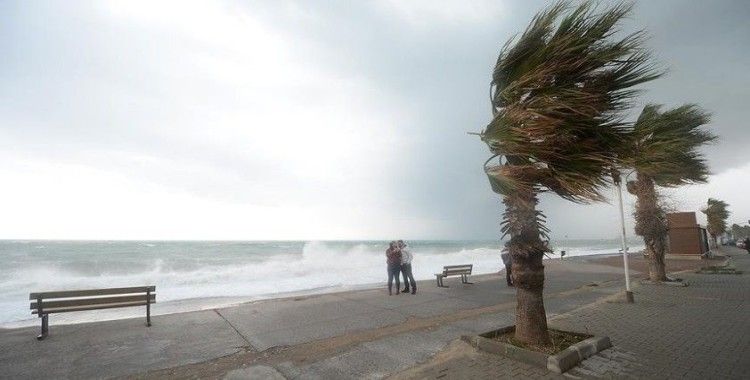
664 145
558 92
716 214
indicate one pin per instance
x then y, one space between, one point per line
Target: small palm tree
740 232
663 150
716 214
557 94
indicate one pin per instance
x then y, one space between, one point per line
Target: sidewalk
695 332
360 334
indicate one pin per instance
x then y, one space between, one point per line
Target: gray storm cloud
345 119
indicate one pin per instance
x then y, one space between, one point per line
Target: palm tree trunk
657 270
527 250
651 224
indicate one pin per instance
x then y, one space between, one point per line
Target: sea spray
191 275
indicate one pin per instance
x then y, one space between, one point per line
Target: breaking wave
218 272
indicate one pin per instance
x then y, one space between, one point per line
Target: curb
571 356
558 363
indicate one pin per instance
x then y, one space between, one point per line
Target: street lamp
618 186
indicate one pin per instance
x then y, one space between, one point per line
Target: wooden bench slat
91 292
456 272
91 301
91 307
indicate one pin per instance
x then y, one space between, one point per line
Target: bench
455 270
46 303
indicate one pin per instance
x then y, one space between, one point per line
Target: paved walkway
701 331
361 334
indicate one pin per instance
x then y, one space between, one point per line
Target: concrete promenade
367 334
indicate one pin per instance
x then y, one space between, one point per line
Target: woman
393 259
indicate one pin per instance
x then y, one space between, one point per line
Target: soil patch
560 340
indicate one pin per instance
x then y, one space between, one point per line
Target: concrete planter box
558 363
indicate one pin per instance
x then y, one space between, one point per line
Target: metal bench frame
454 270
46 303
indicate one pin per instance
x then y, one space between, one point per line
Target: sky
266 120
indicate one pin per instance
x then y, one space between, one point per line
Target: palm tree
716 214
557 94
739 232
663 151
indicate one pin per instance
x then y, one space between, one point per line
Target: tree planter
558 362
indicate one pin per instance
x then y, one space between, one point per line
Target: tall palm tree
557 94
716 214
663 150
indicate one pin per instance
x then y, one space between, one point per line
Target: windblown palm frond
557 95
716 215
664 145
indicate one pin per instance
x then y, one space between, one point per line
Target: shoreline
195 276
187 305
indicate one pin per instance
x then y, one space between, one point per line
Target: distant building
686 237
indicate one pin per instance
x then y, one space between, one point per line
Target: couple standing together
399 259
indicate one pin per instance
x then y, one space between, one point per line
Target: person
406 258
393 259
508 263
747 244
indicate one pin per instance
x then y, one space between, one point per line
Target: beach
357 333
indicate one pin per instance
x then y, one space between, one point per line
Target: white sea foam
210 275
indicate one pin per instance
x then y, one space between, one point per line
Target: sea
196 275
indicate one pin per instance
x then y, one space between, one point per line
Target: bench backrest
91 299
455 270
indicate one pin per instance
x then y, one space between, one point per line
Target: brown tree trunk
651 224
526 248
656 265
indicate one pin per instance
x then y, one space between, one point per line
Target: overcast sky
306 119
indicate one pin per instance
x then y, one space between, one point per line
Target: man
747 244
393 259
406 258
508 263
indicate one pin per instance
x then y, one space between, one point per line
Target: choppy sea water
202 274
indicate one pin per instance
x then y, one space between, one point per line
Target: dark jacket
393 256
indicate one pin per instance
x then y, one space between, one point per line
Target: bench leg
45 327
465 279
440 281
148 308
